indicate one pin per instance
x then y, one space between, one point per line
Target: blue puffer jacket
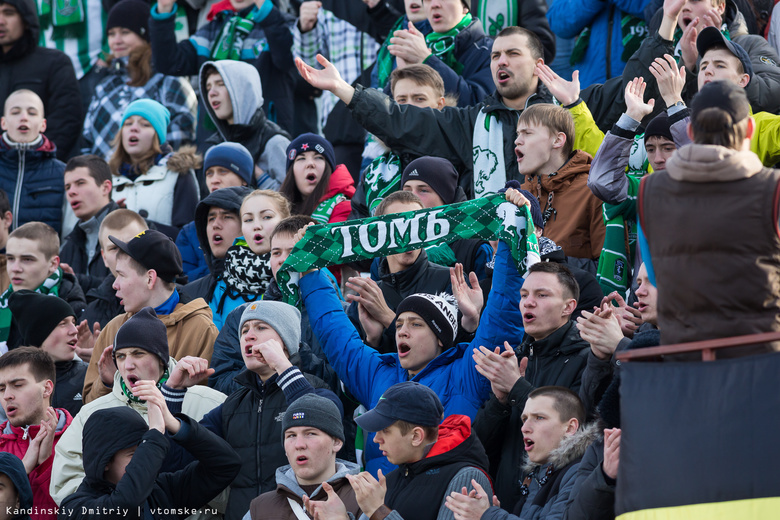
33 181
602 59
367 374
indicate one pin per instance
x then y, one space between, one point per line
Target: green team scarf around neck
66 16
384 60
129 393
231 39
484 218
324 209
616 259
442 45
50 285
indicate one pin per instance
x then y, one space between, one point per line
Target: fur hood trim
571 448
184 159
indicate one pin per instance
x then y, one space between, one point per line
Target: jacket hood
570 449
711 163
106 432
243 86
577 164
734 20
225 198
29 40
184 160
340 182
287 483
12 467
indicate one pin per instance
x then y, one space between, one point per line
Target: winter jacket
11 466
763 91
167 193
367 374
593 493
558 360
717 192
274 505
421 277
573 214
343 186
548 497
472 50
190 333
33 181
267 47
16 440
68 456
603 57
250 421
68 385
448 133
103 304
47 72
193 262
417 490
145 492
90 273
531 14
112 95
265 140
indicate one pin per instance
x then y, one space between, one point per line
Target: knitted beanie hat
436 172
311 143
37 315
144 330
659 126
157 115
440 312
130 14
314 411
283 318
233 156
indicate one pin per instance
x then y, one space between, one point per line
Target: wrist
675 101
282 366
344 91
635 115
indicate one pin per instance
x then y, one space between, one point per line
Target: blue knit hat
311 143
234 157
152 111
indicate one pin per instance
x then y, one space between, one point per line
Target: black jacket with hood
143 492
47 72
225 198
556 360
12 467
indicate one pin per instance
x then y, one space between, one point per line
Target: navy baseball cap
153 250
711 36
408 401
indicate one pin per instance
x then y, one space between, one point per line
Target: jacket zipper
19 184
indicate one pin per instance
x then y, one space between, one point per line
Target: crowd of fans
159 163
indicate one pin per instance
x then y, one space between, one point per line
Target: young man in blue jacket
426 326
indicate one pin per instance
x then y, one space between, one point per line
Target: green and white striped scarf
497 14
50 285
231 39
442 45
616 259
487 218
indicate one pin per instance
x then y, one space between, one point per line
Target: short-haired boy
88 193
30 172
33 264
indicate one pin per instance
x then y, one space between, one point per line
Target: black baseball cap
153 250
711 36
724 95
408 401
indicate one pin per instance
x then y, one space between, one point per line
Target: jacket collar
569 450
711 163
563 340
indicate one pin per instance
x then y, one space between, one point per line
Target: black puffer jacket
47 72
558 360
144 489
68 386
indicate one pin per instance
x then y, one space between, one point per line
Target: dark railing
707 348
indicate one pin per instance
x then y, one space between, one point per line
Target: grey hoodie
250 126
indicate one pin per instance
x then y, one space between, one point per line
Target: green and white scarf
385 62
50 285
231 39
484 218
61 13
616 259
324 209
442 45
383 177
488 154
129 393
497 14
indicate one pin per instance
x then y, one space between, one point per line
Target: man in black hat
146 268
48 322
435 458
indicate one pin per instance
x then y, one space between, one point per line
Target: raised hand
370 295
409 45
272 353
629 318
371 326
331 509
567 92
670 80
85 340
636 108
189 371
327 78
500 368
369 492
602 330
106 366
160 418
307 15
611 452
165 6
470 299
690 54
468 505
515 197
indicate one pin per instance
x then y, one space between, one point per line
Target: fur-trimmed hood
184 159
570 449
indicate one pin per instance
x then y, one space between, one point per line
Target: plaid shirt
113 94
350 50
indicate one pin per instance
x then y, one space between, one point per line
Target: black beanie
130 14
440 312
37 315
659 126
144 330
436 172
